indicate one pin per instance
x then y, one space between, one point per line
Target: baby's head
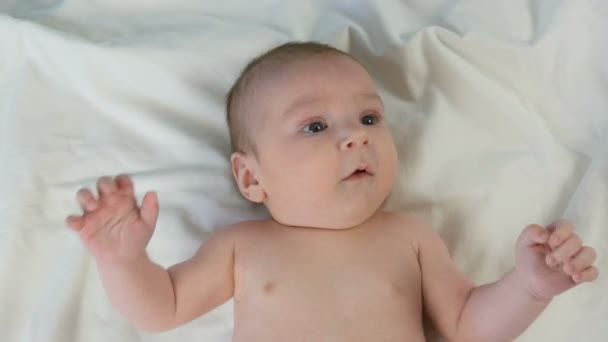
309 137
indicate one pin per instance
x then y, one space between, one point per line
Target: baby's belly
329 313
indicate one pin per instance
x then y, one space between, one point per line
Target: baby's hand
553 260
112 227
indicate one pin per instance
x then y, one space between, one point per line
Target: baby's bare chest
329 281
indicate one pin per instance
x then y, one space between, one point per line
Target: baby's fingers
86 200
74 222
587 275
565 251
534 235
560 230
583 259
149 209
106 186
124 182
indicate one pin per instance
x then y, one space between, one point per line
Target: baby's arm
116 233
500 311
155 299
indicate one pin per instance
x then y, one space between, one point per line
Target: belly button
269 287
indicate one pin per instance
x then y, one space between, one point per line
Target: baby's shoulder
406 224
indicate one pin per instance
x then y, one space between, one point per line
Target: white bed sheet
499 110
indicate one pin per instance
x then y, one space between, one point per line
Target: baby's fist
552 260
569 254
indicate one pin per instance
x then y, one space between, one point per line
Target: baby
311 143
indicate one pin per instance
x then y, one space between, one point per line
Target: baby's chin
333 219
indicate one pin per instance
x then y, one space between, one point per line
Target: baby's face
325 157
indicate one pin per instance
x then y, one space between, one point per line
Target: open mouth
361 172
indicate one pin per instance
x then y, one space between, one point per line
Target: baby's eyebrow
314 98
373 97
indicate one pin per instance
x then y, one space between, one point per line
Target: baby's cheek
391 160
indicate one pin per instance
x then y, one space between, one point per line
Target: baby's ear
243 170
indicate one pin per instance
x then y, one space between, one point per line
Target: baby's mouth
361 172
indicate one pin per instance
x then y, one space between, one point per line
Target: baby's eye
314 127
369 119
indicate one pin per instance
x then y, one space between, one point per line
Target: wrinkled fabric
498 110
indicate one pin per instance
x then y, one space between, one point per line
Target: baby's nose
355 138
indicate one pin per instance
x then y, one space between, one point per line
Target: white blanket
499 110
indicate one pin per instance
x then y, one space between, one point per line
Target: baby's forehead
274 88
319 77
319 69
